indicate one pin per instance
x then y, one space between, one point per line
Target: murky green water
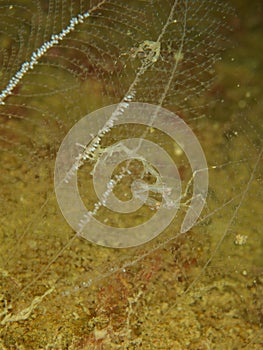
199 290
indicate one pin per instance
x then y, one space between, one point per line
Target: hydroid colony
60 61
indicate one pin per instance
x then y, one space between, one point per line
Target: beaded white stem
40 52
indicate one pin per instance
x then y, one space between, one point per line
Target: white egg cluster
36 55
